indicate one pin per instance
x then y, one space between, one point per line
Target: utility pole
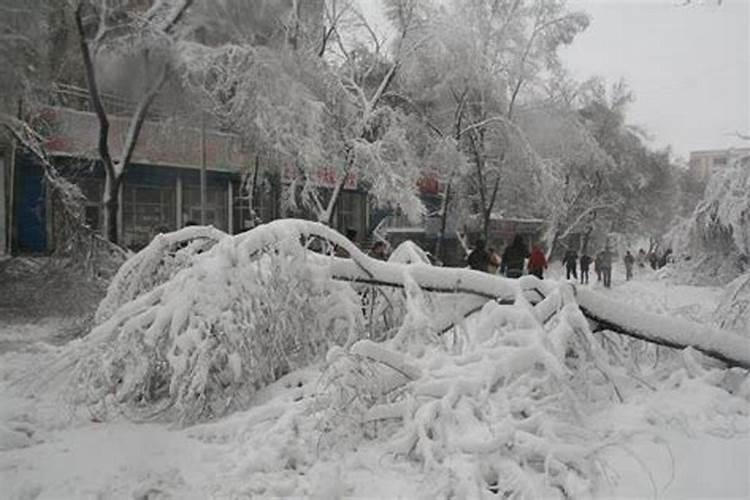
203 169
201 37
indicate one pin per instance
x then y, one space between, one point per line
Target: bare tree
100 25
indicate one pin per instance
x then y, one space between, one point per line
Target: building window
350 213
216 205
265 203
147 211
720 161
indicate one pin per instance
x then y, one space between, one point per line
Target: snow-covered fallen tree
198 320
607 314
481 382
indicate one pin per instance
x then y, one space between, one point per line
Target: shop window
147 211
265 203
350 213
216 205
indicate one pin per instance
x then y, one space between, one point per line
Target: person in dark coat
598 266
629 261
606 267
570 261
479 258
512 261
537 262
378 251
585 262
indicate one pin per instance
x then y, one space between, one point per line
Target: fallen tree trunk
671 332
678 333
607 314
429 278
481 287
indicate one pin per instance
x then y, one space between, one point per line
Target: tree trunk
443 221
586 238
552 247
110 206
677 333
486 215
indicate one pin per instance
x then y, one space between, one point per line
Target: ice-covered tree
317 105
645 182
576 192
369 137
716 237
481 60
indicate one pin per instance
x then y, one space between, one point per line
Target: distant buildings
704 163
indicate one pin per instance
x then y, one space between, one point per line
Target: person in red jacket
537 262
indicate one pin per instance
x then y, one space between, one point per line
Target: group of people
602 266
511 263
516 258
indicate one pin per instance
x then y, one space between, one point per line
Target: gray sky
687 65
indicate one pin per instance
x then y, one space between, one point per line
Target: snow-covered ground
687 441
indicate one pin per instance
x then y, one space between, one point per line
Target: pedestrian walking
511 263
570 261
598 266
629 261
606 267
585 262
537 262
479 258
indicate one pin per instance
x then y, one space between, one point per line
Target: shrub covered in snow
225 323
717 236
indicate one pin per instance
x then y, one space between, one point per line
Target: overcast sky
688 66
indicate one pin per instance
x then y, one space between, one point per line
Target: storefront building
161 189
